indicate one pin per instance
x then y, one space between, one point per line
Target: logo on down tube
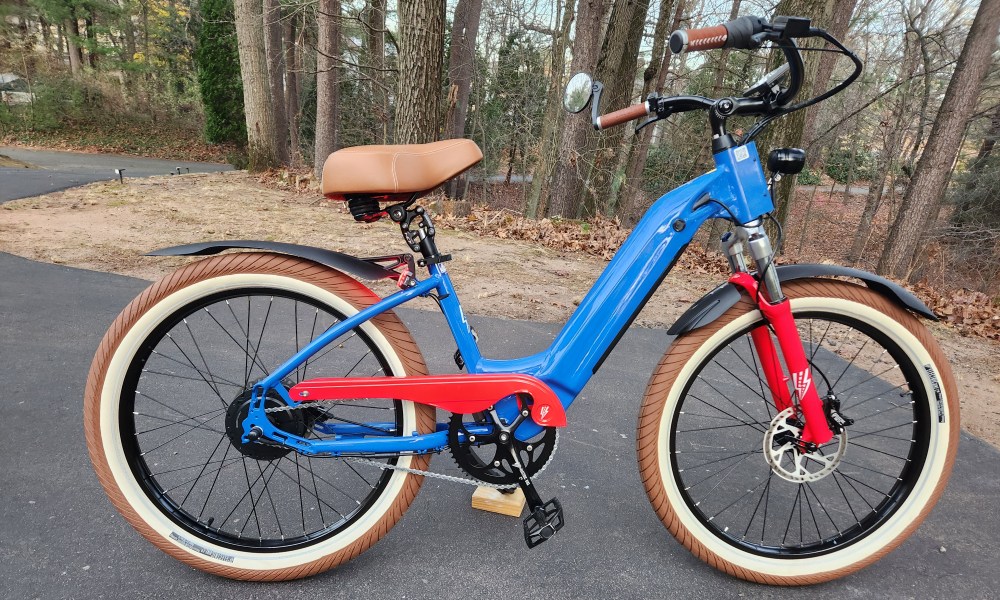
802 381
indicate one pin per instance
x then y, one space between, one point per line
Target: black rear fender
359 267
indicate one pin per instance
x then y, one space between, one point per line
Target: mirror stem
595 108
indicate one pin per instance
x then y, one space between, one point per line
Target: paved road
60 537
61 170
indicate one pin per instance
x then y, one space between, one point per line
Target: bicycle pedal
543 522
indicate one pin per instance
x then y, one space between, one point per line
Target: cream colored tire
704 498
214 276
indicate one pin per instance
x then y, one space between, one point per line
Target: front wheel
170 386
720 463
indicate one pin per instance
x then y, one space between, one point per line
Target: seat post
418 231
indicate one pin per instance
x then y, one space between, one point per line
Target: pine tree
219 74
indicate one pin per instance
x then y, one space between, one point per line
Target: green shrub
845 165
809 177
219 74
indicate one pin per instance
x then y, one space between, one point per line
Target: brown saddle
396 171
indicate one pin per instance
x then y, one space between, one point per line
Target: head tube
744 191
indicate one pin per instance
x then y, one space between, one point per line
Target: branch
884 93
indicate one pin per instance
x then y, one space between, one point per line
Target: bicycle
264 415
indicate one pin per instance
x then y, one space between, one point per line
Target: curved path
56 170
60 537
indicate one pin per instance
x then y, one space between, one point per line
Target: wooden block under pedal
494 500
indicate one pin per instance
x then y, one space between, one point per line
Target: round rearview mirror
578 92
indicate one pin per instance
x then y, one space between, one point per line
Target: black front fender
711 306
338 260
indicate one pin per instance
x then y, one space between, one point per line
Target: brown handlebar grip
705 38
622 116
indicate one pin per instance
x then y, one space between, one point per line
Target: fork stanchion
494 500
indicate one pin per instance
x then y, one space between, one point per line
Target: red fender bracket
464 394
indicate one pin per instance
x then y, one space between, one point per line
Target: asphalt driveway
61 170
60 537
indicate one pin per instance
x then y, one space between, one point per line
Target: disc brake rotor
784 453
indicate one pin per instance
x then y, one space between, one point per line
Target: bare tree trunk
631 198
91 40
842 12
60 44
327 81
46 30
461 64
720 72
129 30
890 149
421 52
72 37
292 89
262 146
373 19
567 183
616 69
144 10
923 195
547 151
788 131
274 50
986 147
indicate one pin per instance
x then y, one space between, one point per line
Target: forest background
901 178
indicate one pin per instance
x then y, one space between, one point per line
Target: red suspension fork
769 363
779 315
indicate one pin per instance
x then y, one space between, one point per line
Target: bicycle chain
385 466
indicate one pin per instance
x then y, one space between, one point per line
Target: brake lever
649 121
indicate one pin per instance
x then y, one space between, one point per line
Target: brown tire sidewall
671 372
294 271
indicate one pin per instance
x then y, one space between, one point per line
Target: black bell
787 161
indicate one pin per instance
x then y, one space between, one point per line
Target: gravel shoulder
107 226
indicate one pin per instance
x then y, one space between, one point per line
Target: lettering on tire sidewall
190 545
938 396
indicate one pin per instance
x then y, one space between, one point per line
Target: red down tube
779 315
464 394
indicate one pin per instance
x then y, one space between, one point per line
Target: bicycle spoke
245 493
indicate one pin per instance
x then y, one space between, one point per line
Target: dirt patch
107 226
6 161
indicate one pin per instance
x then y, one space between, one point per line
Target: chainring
487 458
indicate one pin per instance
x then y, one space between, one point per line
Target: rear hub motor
291 421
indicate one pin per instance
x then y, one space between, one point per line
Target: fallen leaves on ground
971 312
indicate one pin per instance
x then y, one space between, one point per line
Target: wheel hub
790 460
291 421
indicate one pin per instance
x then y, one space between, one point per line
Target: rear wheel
721 466
170 386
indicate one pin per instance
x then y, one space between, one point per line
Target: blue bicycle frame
736 189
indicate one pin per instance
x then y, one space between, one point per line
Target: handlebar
738 33
624 115
767 98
